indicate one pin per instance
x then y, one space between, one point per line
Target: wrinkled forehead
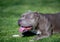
29 14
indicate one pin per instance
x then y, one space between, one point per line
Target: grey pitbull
43 25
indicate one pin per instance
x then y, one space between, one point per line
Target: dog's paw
36 38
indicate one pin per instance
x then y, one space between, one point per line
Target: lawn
10 12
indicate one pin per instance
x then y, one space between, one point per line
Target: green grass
10 13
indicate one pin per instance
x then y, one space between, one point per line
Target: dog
43 25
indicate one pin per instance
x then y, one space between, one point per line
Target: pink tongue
21 29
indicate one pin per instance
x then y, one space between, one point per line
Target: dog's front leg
42 35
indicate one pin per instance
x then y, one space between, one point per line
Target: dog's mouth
25 28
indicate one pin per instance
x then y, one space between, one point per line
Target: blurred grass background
10 11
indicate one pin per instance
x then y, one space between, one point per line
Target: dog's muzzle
25 29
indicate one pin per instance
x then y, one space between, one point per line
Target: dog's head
28 21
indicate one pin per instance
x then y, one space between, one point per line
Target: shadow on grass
27 34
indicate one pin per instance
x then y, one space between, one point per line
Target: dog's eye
23 16
27 17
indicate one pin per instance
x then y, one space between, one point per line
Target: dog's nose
19 21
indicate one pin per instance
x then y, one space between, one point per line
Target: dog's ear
36 14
